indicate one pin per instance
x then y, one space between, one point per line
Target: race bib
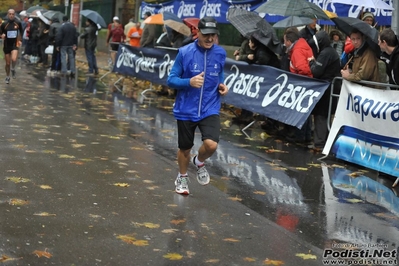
12 34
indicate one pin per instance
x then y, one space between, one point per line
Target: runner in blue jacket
197 75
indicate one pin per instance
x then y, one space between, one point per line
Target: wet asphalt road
88 180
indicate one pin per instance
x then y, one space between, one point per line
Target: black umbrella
292 21
33 8
347 24
300 8
94 16
52 14
251 24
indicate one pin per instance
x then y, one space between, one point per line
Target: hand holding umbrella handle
347 63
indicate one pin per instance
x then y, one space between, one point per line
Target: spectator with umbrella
364 60
149 32
55 58
326 66
261 55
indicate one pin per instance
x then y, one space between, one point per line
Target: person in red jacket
116 35
299 52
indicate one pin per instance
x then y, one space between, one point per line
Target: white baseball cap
115 18
22 13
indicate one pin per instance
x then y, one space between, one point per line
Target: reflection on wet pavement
318 201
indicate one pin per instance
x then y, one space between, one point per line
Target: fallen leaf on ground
249 259
66 156
173 256
44 214
45 187
176 222
259 192
18 202
301 168
275 151
121 184
106 172
140 243
42 253
212 261
235 198
354 200
306 256
273 262
354 174
78 145
169 231
17 179
5 258
231 240
127 238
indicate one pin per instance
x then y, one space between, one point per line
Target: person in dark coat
55 58
389 45
66 42
163 40
43 42
176 39
261 54
326 66
308 32
90 37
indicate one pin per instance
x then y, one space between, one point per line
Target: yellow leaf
259 192
237 133
227 123
44 214
66 156
262 147
106 172
354 200
173 256
235 198
273 262
176 222
337 166
169 231
306 256
140 243
17 179
5 258
354 174
18 202
264 135
249 259
77 162
126 238
41 253
212 261
301 168
48 151
151 225
78 145
137 148
45 187
231 240
121 184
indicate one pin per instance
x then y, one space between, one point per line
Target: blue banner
218 9
277 94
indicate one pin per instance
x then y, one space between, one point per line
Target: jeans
67 51
92 61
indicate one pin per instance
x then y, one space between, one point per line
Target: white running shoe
202 174
181 184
